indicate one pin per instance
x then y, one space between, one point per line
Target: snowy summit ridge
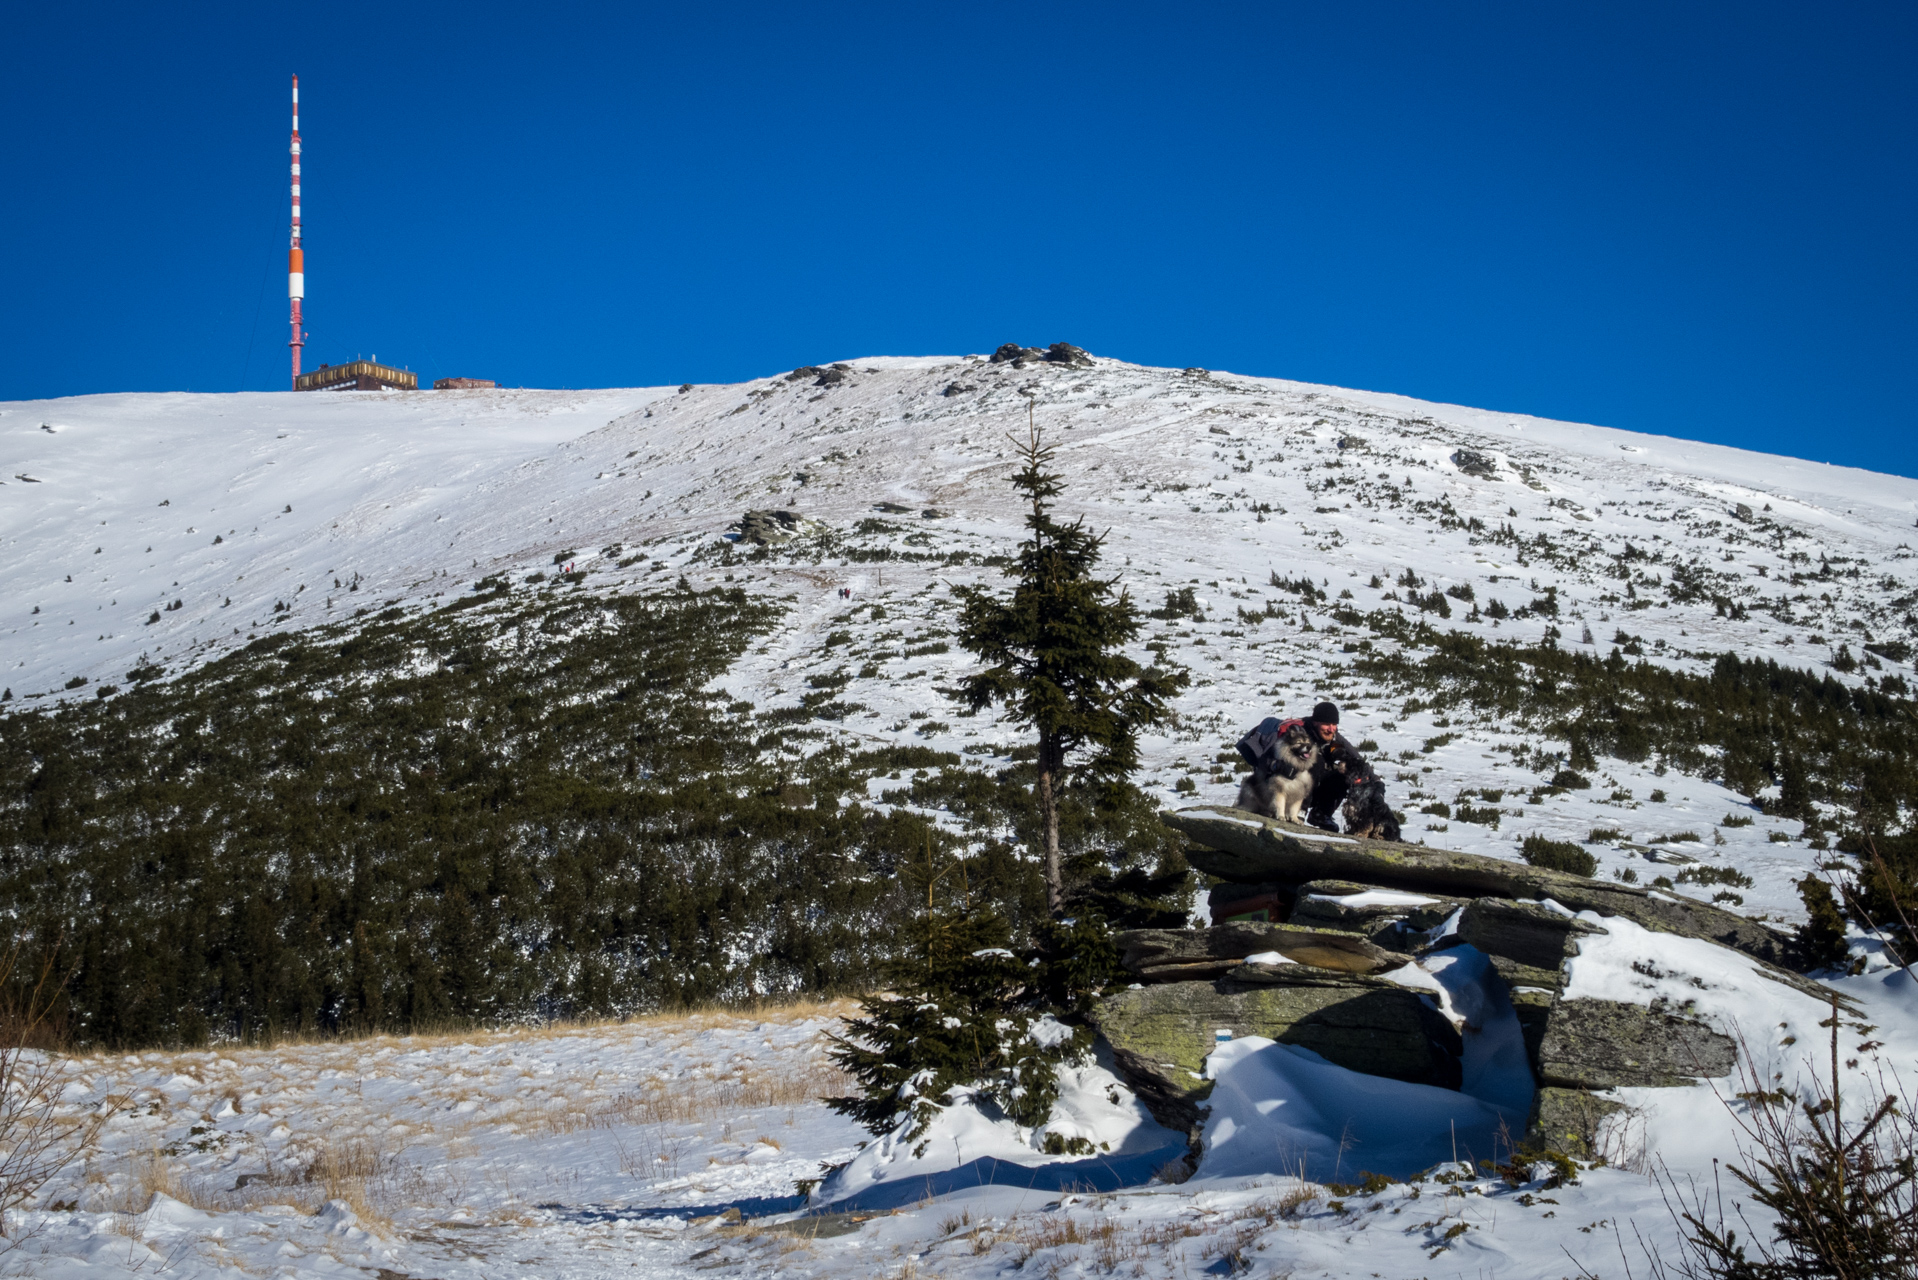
232 505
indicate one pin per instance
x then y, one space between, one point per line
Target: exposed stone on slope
1175 955
1602 1044
1058 353
1237 845
1474 463
1568 1120
768 527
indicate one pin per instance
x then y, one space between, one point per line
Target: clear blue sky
1681 218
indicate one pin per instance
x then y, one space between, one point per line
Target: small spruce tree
1821 939
1054 653
962 1014
1794 796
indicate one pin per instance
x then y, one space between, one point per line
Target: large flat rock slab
1238 845
1602 1044
1160 1035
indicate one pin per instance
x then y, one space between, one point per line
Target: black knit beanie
1325 713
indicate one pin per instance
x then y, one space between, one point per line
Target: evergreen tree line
526 809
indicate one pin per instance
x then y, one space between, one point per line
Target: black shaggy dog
1365 810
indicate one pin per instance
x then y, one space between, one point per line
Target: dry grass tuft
697 1018
688 1101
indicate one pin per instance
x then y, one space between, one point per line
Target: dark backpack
1260 747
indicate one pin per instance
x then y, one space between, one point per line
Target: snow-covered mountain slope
1245 491
117 507
115 502
618 1150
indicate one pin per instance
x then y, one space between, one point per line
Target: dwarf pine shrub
1558 855
1836 1177
1821 939
518 807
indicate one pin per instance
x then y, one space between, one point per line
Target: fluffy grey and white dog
1280 784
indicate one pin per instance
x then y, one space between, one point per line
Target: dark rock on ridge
831 376
1474 463
1058 353
769 527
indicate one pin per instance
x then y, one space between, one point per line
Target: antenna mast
295 262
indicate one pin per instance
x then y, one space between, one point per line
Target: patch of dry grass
696 1018
405 1149
687 1101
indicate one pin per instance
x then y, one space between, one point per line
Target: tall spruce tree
1054 652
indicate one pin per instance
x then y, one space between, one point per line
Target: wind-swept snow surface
616 1150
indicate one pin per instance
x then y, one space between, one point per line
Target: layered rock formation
1325 920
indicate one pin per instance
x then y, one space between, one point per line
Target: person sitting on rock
1338 762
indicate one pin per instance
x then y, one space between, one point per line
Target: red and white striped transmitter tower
295 262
